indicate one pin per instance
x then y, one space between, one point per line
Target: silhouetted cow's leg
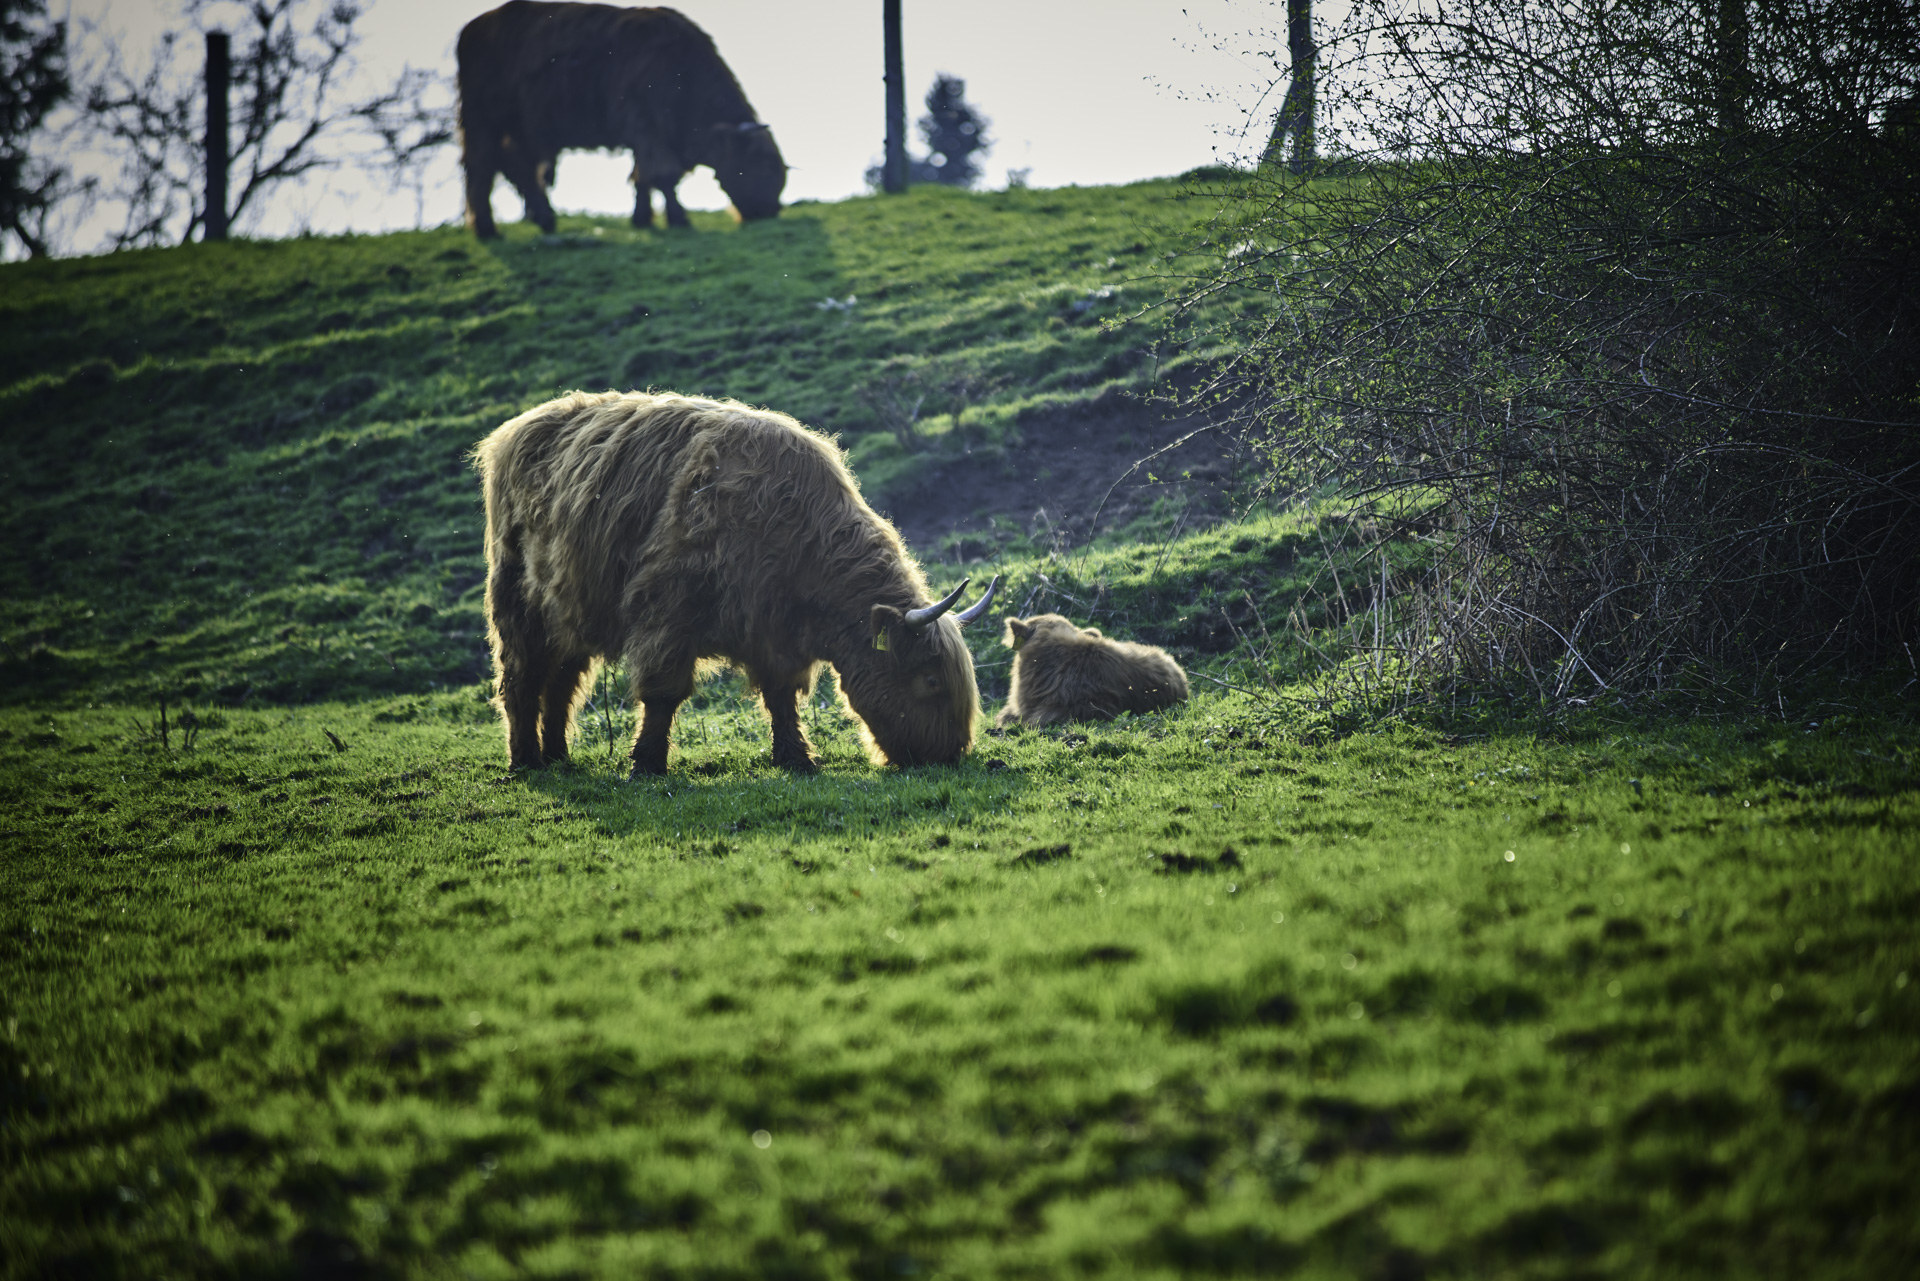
521 171
791 750
520 659
659 694
556 706
676 216
642 200
481 160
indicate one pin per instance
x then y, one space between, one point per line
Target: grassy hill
308 985
239 470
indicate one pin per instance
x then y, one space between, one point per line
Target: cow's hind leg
658 691
791 750
642 200
520 659
558 701
670 201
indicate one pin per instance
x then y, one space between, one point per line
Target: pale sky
1077 92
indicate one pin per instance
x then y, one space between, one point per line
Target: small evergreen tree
953 132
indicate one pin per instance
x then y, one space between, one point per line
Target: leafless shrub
1606 315
966 388
289 115
411 121
896 393
284 74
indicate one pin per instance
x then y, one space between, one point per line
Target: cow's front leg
642 202
522 172
659 695
791 750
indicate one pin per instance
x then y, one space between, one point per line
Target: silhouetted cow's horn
978 607
920 619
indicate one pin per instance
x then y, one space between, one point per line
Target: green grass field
308 985
240 470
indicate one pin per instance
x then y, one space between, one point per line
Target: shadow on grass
734 796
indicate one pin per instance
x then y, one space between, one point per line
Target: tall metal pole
1300 94
894 169
1295 121
219 72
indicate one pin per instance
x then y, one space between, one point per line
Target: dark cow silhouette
538 78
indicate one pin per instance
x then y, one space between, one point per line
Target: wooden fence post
219 72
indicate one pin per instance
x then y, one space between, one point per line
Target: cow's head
914 690
1044 627
747 163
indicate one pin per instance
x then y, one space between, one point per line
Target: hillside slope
240 470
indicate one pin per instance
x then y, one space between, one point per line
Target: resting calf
1067 673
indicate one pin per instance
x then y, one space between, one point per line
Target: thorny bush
1614 308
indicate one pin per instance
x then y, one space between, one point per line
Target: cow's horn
920 619
978 607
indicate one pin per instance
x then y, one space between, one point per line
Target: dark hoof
647 769
798 764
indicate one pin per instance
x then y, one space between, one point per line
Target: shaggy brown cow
537 78
1067 673
666 530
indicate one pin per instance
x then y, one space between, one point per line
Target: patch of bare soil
1070 475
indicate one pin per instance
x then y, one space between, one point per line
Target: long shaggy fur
666 530
1067 673
536 78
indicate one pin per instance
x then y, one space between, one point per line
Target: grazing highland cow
665 530
537 78
1067 673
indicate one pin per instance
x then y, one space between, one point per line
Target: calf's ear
1018 630
1091 631
881 618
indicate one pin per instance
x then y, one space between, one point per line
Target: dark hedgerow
1612 307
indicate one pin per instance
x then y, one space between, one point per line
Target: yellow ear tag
880 639
1018 640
